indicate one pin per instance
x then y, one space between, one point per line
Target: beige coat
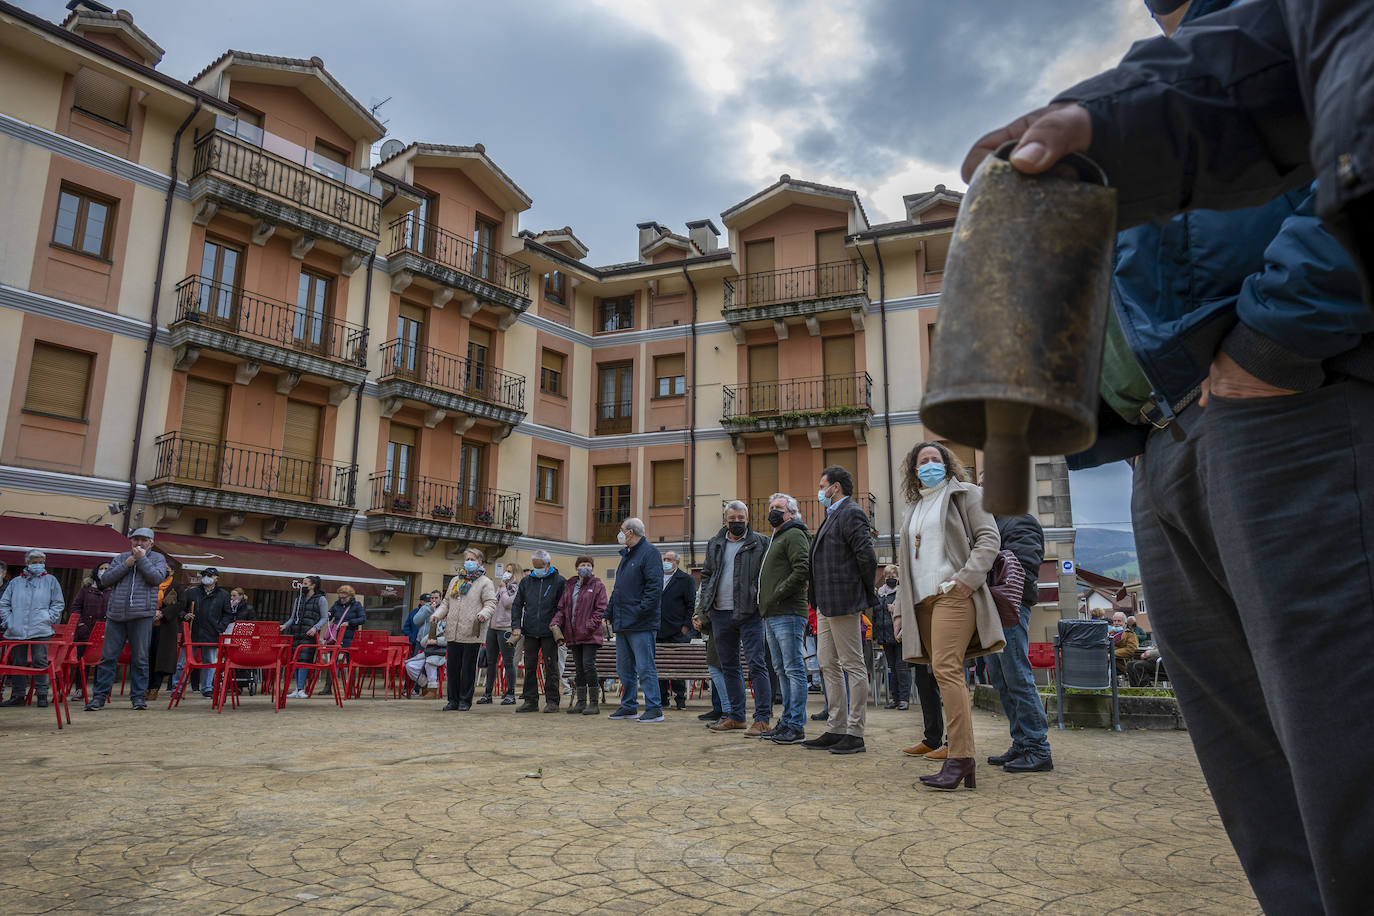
467 615
971 564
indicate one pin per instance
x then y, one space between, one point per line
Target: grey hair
635 525
735 505
791 502
34 552
542 554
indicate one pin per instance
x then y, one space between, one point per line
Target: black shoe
508 700
680 703
449 707
890 704
820 716
464 707
94 706
527 706
788 735
711 716
15 700
1006 756
823 742
483 701
1030 763
903 705
140 705
551 706
849 744
769 733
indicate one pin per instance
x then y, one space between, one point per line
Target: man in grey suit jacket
843 569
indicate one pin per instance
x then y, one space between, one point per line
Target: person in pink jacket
578 620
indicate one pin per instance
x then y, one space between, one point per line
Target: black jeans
898 674
462 671
676 687
729 634
534 645
31 656
929 694
584 664
1253 535
500 653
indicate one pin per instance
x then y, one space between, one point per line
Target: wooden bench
674 661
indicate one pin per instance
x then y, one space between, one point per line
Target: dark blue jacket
634 605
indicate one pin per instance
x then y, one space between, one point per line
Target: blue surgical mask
584 571
1114 629
667 568
823 499
540 572
931 474
470 566
36 569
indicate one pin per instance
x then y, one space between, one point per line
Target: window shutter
302 438
202 413
402 435
59 380
670 366
667 483
830 246
101 96
553 362
616 475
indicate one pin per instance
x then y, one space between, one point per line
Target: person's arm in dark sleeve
860 540
1212 117
799 566
651 598
153 568
1304 307
517 606
1025 538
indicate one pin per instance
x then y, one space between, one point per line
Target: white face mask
620 538
207 581
505 576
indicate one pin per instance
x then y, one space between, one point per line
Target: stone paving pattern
388 806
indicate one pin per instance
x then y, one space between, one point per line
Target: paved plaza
395 807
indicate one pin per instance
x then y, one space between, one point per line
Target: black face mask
775 517
891 583
737 528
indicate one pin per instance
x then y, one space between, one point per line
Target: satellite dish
391 148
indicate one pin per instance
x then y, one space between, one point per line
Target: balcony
240 480
449 384
774 296
812 404
259 331
435 510
247 169
418 248
614 418
811 512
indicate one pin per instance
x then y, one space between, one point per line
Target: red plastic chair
326 658
1042 657
84 655
396 669
250 652
191 663
56 653
370 651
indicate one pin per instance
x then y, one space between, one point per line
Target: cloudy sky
613 112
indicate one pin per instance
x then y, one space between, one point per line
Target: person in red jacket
577 623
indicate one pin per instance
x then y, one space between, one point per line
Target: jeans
1259 595
898 674
729 634
33 656
136 634
500 653
1012 677
785 634
717 690
634 665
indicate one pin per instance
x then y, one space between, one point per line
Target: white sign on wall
1066 567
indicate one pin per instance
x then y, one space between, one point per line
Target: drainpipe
358 398
692 434
887 399
152 318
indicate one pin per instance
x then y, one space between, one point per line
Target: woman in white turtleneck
948 543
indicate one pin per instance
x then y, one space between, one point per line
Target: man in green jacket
782 604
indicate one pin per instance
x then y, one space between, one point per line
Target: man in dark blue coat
675 619
633 617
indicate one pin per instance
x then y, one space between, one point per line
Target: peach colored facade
405 370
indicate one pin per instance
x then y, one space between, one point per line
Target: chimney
703 234
648 234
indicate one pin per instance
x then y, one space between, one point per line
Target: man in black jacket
207 607
531 613
675 620
730 595
1010 670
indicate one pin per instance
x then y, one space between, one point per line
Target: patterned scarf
464 581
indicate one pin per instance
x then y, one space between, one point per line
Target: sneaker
140 705
1005 757
15 700
508 700
656 717
903 704
93 706
820 716
42 702
711 716
758 730
788 735
483 701
623 713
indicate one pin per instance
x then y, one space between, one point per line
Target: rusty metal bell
1017 353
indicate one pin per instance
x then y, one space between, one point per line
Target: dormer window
101 96
553 287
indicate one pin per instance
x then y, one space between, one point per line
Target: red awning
68 545
273 566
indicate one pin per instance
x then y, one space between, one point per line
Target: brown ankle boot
955 771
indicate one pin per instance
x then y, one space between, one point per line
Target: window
483 251
614 401
329 161
219 271
96 94
612 502
84 222
668 483
551 372
669 371
59 380
400 465
553 287
547 474
476 378
616 314
410 339
312 311
473 499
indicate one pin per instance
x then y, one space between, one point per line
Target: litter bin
1083 659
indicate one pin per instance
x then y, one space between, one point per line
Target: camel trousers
946 624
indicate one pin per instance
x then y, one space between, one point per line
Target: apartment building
224 321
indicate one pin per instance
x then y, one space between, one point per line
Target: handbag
1007 582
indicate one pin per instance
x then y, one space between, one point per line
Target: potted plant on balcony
482 517
401 504
443 512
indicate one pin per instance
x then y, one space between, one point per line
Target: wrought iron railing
454 374
444 501
202 301
274 166
810 510
835 395
252 469
613 417
797 284
426 239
